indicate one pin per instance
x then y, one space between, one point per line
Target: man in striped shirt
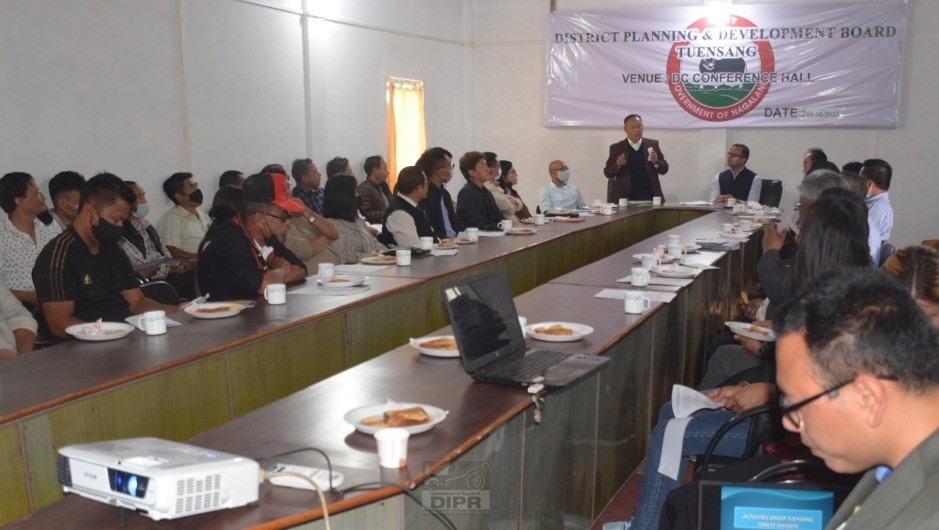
879 212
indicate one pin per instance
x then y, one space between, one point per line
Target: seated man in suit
636 164
858 372
437 165
737 181
247 253
373 194
82 275
405 224
475 205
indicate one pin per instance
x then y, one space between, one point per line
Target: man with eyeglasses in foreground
858 374
737 181
247 253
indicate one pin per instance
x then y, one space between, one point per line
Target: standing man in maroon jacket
636 164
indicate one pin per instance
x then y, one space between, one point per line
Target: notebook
492 347
733 505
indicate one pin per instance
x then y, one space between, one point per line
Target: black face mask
196 197
107 233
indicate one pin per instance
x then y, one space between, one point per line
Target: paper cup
392 447
538 219
404 257
656 201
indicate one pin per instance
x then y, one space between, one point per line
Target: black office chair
886 250
160 291
765 427
771 192
610 185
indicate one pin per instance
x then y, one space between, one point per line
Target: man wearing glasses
858 375
244 255
437 165
737 181
405 224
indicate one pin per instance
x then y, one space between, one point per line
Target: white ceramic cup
275 294
649 260
674 239
639 276
427 243
656 201
740 208
746 225
606 209
623 202
727 228
392 447
636 303
538 219
472 233
522 321
729 202
325 271
153 322
403 256
675 251
505 224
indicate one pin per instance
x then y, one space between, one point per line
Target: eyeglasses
445 166
734 155
285 217
792 412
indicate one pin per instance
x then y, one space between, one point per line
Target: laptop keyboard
532 365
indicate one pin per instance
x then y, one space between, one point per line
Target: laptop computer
492 347
733 505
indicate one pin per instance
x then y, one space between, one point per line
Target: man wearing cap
246 254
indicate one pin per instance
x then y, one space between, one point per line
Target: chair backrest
886 250
771 192
160 291
765 427
610 184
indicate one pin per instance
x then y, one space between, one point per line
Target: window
406 136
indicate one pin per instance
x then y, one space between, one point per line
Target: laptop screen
731 506
484 320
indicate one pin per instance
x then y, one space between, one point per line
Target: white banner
837 65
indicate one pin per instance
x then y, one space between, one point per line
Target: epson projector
158 478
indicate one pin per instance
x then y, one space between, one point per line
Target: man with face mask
559 193
184 225
65 189
246 253
82 275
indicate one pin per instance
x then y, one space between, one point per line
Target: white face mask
564 176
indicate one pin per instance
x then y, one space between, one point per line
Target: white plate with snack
412 417
520 231
751 332
446 245
437 346
212 310
97 331
675 271
736 234
666 259
691 247
463 241
379 260
341 280
558 331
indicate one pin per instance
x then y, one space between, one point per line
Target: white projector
158 478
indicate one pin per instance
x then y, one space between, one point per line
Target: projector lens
128 483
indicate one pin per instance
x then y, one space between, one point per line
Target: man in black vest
405 224
738 181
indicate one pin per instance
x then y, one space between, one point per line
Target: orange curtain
406 135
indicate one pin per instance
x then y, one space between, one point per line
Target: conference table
279 378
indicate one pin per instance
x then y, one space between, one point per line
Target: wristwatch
312 219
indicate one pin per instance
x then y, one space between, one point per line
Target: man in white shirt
737 181
405 224
879 212
559 193
184 225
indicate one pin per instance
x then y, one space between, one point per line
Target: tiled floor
624 503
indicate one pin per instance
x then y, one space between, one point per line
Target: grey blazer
907 500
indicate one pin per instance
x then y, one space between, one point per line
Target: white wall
144 88
508 85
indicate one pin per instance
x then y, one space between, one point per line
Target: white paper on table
444 252
133 321
695 203
684 402
313 288
653 296
695 264
659 280
360 269
491 233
